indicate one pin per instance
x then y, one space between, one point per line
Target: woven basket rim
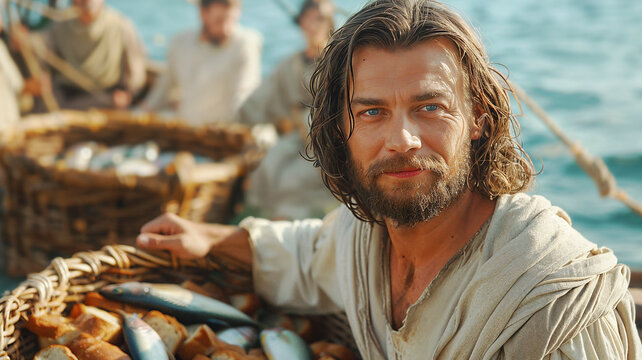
13 139
40 288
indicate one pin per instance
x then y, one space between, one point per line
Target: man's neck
446 233
418 253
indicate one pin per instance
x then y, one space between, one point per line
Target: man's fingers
163 224
159 242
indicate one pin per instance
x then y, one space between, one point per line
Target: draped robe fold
528 286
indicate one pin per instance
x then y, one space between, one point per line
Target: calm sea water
579 59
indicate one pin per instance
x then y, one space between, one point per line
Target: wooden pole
67 70
34 67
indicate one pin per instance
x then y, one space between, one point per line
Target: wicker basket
66 281
49 211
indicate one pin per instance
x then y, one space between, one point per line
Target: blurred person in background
103 45
11 82
211 71
286 186
13 88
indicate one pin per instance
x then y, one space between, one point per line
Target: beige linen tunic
282 96
10 86
108 51
206 82
526 287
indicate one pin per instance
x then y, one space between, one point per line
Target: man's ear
477 128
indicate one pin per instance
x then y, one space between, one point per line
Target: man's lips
404 173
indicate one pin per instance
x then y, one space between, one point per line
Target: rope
594 166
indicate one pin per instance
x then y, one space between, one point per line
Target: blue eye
372 112
430 108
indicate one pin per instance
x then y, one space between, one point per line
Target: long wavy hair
499 163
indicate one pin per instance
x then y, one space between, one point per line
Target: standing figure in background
286 186
210 71
103 45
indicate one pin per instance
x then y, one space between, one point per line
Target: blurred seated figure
285 185
210 71
102 45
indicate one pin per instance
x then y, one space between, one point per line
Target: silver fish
283 344
143 342
186 305
243 336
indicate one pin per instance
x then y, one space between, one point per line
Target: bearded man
437 253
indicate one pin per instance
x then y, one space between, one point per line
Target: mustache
400 162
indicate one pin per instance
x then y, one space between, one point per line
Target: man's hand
122 99
190 240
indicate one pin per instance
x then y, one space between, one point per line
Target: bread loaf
49 325
97 323
201 340
172 332
55 352
87 347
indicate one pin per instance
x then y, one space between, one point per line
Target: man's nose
401 135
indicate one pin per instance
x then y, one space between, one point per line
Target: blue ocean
579 59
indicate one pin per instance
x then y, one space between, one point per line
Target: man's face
315 26
89 9
219 21
410 149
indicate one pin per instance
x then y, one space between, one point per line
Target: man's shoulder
184 38
190 34
248 37
531 222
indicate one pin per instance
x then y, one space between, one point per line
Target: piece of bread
324 349
226 354
97 323
201 340
99 301
55 352
168 328
49 325
248 303
87 347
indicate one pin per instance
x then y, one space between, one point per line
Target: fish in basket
125 303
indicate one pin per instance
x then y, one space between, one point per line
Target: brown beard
413 202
